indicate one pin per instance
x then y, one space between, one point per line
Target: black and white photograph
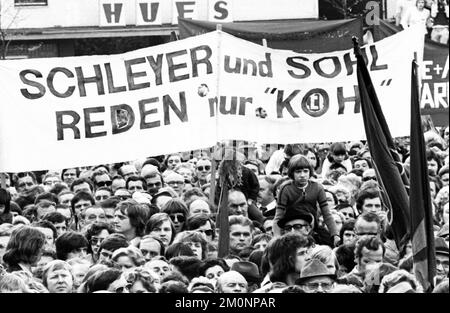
242 149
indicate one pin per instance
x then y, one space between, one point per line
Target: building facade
56 28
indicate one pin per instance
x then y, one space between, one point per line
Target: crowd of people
302 218
432 15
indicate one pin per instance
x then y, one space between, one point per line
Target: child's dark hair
299 161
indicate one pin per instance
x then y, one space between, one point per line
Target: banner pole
212 186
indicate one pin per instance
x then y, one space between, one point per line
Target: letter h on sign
112 12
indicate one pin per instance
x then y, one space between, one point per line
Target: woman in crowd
160 226
177 212
24 249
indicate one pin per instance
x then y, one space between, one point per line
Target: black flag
422 234
385 158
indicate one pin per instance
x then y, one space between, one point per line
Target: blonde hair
132 252
13 282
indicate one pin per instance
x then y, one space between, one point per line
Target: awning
305 36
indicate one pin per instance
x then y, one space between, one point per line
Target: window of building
29 2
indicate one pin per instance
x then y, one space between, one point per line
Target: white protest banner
65 112
312 97
189 94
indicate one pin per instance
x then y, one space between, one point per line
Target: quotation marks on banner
386 82
272 90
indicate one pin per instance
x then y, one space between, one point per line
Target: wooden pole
224 227
212 182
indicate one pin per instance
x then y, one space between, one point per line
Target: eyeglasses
367 178
315 286
151 185
122 289
204 168
105 183
175 182
207 232
177 217
366 234
296 227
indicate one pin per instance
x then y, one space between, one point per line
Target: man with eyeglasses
301 221
202 223
315 277
153 178
101 179
202 170
176 181
298 221
369 174
96 233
